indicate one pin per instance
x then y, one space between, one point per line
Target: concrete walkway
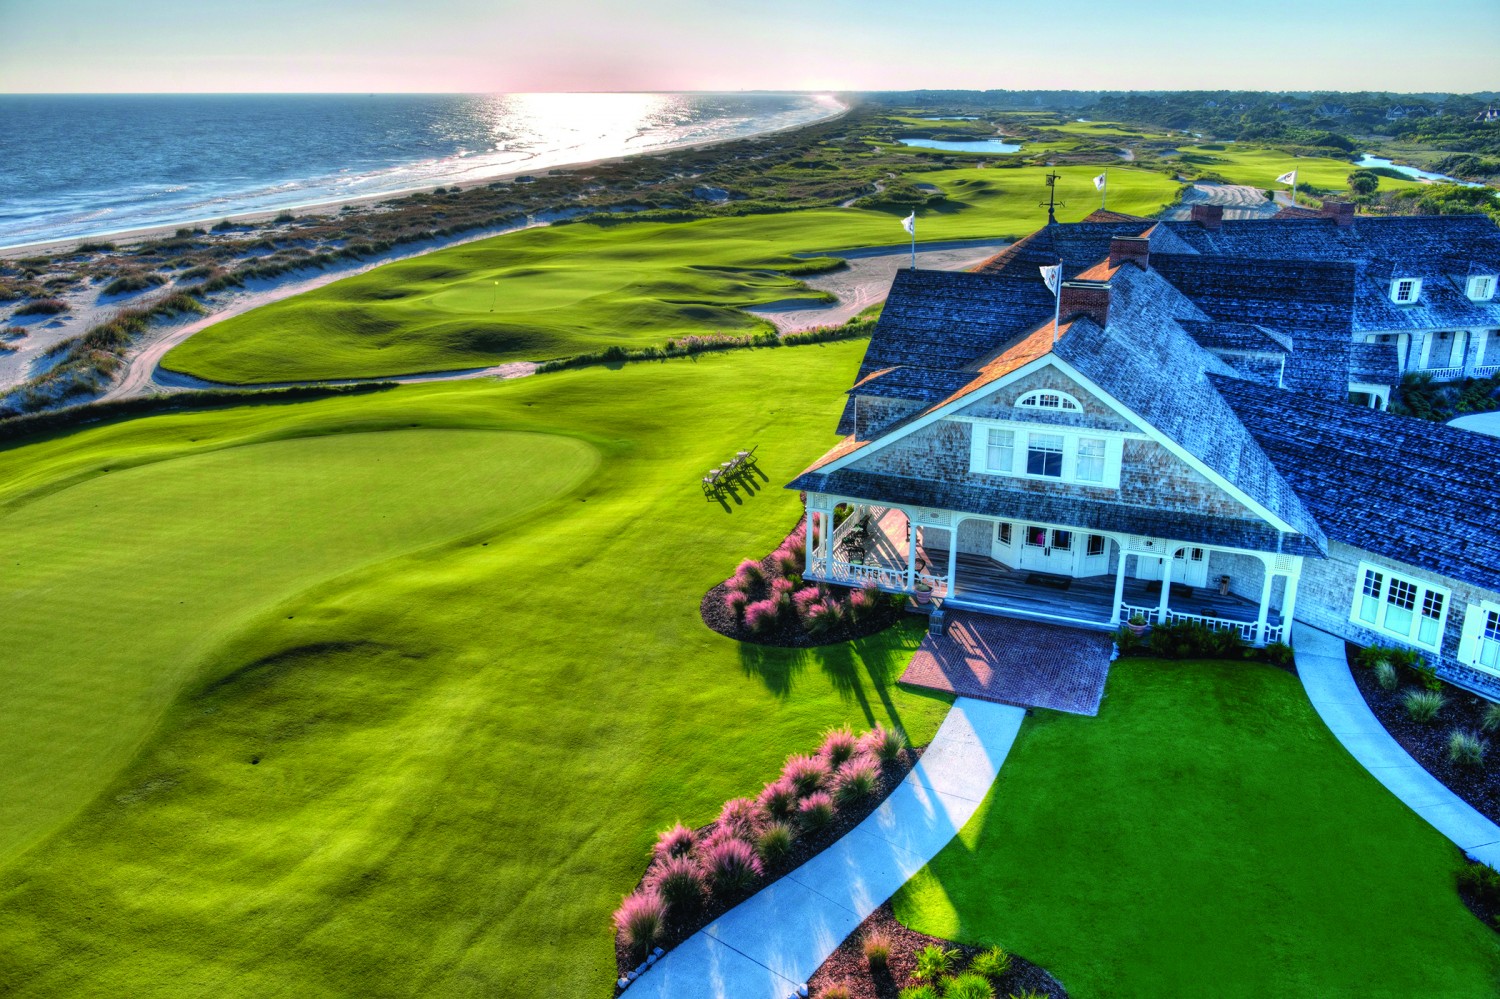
1324 671
769 945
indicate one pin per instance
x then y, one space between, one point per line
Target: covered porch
1067 574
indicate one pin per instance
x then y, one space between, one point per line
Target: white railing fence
1486 370
1246 629
1442 374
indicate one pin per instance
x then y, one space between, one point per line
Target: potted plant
1223 586
1138 625
923 592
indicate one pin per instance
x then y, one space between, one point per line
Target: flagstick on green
493 296
910 225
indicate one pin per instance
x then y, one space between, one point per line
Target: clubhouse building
1198 434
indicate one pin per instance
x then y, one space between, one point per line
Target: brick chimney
1085 298
1209 216
1342 212
1136 249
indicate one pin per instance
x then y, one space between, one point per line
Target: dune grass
425 692
579 288
1205 835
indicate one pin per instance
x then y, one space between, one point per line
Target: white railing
848 574
1486 370
1443 374
1245 628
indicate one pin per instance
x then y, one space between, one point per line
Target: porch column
1166 584
911 554
1119 583
1289 603
809 550
1265 602
828 543
952 558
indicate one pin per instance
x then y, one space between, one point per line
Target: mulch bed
1428 744
680 926
1485 905
788 632
847 965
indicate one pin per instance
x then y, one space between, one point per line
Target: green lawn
387 695
572 289
1259 167
1205 836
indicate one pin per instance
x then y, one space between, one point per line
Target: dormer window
1404 291
1481 288
1057 402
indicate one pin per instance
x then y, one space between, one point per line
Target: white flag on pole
1099 181
1050 274
910 223
1290 177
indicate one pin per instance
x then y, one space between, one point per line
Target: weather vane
1052 204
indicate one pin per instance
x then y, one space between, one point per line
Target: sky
490 46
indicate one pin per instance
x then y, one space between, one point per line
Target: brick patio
1015 662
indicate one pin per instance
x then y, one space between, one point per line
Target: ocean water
85 165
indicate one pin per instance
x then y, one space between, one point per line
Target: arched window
1058 402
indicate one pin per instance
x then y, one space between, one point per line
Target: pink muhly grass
732 865
750 572
735 602
856 780
885 744
786 562
740 816
779 799
816 810
674 842
761 615
639 919
862 601
839 745
806 773
821 617
805 597
678 881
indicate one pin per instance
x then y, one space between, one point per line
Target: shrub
731 865
674 842
1385 675
1483 880
933 962
774 842
284 218
1279 654
920 992
761 615
779 799
968 986
807 773
856 780
1466 749
839 745
678 881
885 744
1491 718
1423 705
993 964
877 949
639 919
741 817
839 990
735 602
816 810
1427 676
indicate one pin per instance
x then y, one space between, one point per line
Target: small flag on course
910 223
1050 274
1290 177
1099 182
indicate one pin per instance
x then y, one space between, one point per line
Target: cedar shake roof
1295 212
1241 337
1103 215
1414 491
1375 364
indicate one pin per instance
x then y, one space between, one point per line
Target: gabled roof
1375 364
1236 337
1417 492
1079 244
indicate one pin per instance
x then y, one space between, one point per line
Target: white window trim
1378 625
1416 290
1114 452
1468 643
1069 404
1489 280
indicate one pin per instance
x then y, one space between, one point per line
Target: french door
1046 549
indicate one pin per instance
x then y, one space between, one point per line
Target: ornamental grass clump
740 817
674 842
863 601
735 602
640 919
748 574
856 780
1466 748
933 962
779 800
678 881
761 615
885 744
1385 675
731 865
822 617
968 986
839 990
806 773
774 842
838 747
1423 705
920 992
993 964
1491 719
786 562
816 811
877 949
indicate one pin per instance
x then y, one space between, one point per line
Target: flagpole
1104 191
914 241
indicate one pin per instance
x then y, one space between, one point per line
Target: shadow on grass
862 671
735 493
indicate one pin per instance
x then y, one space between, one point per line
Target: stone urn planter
1137 625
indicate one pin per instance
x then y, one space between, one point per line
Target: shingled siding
976 537
1325 595
1246 576
1001 405
873 414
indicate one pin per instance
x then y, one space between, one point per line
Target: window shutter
1468 643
